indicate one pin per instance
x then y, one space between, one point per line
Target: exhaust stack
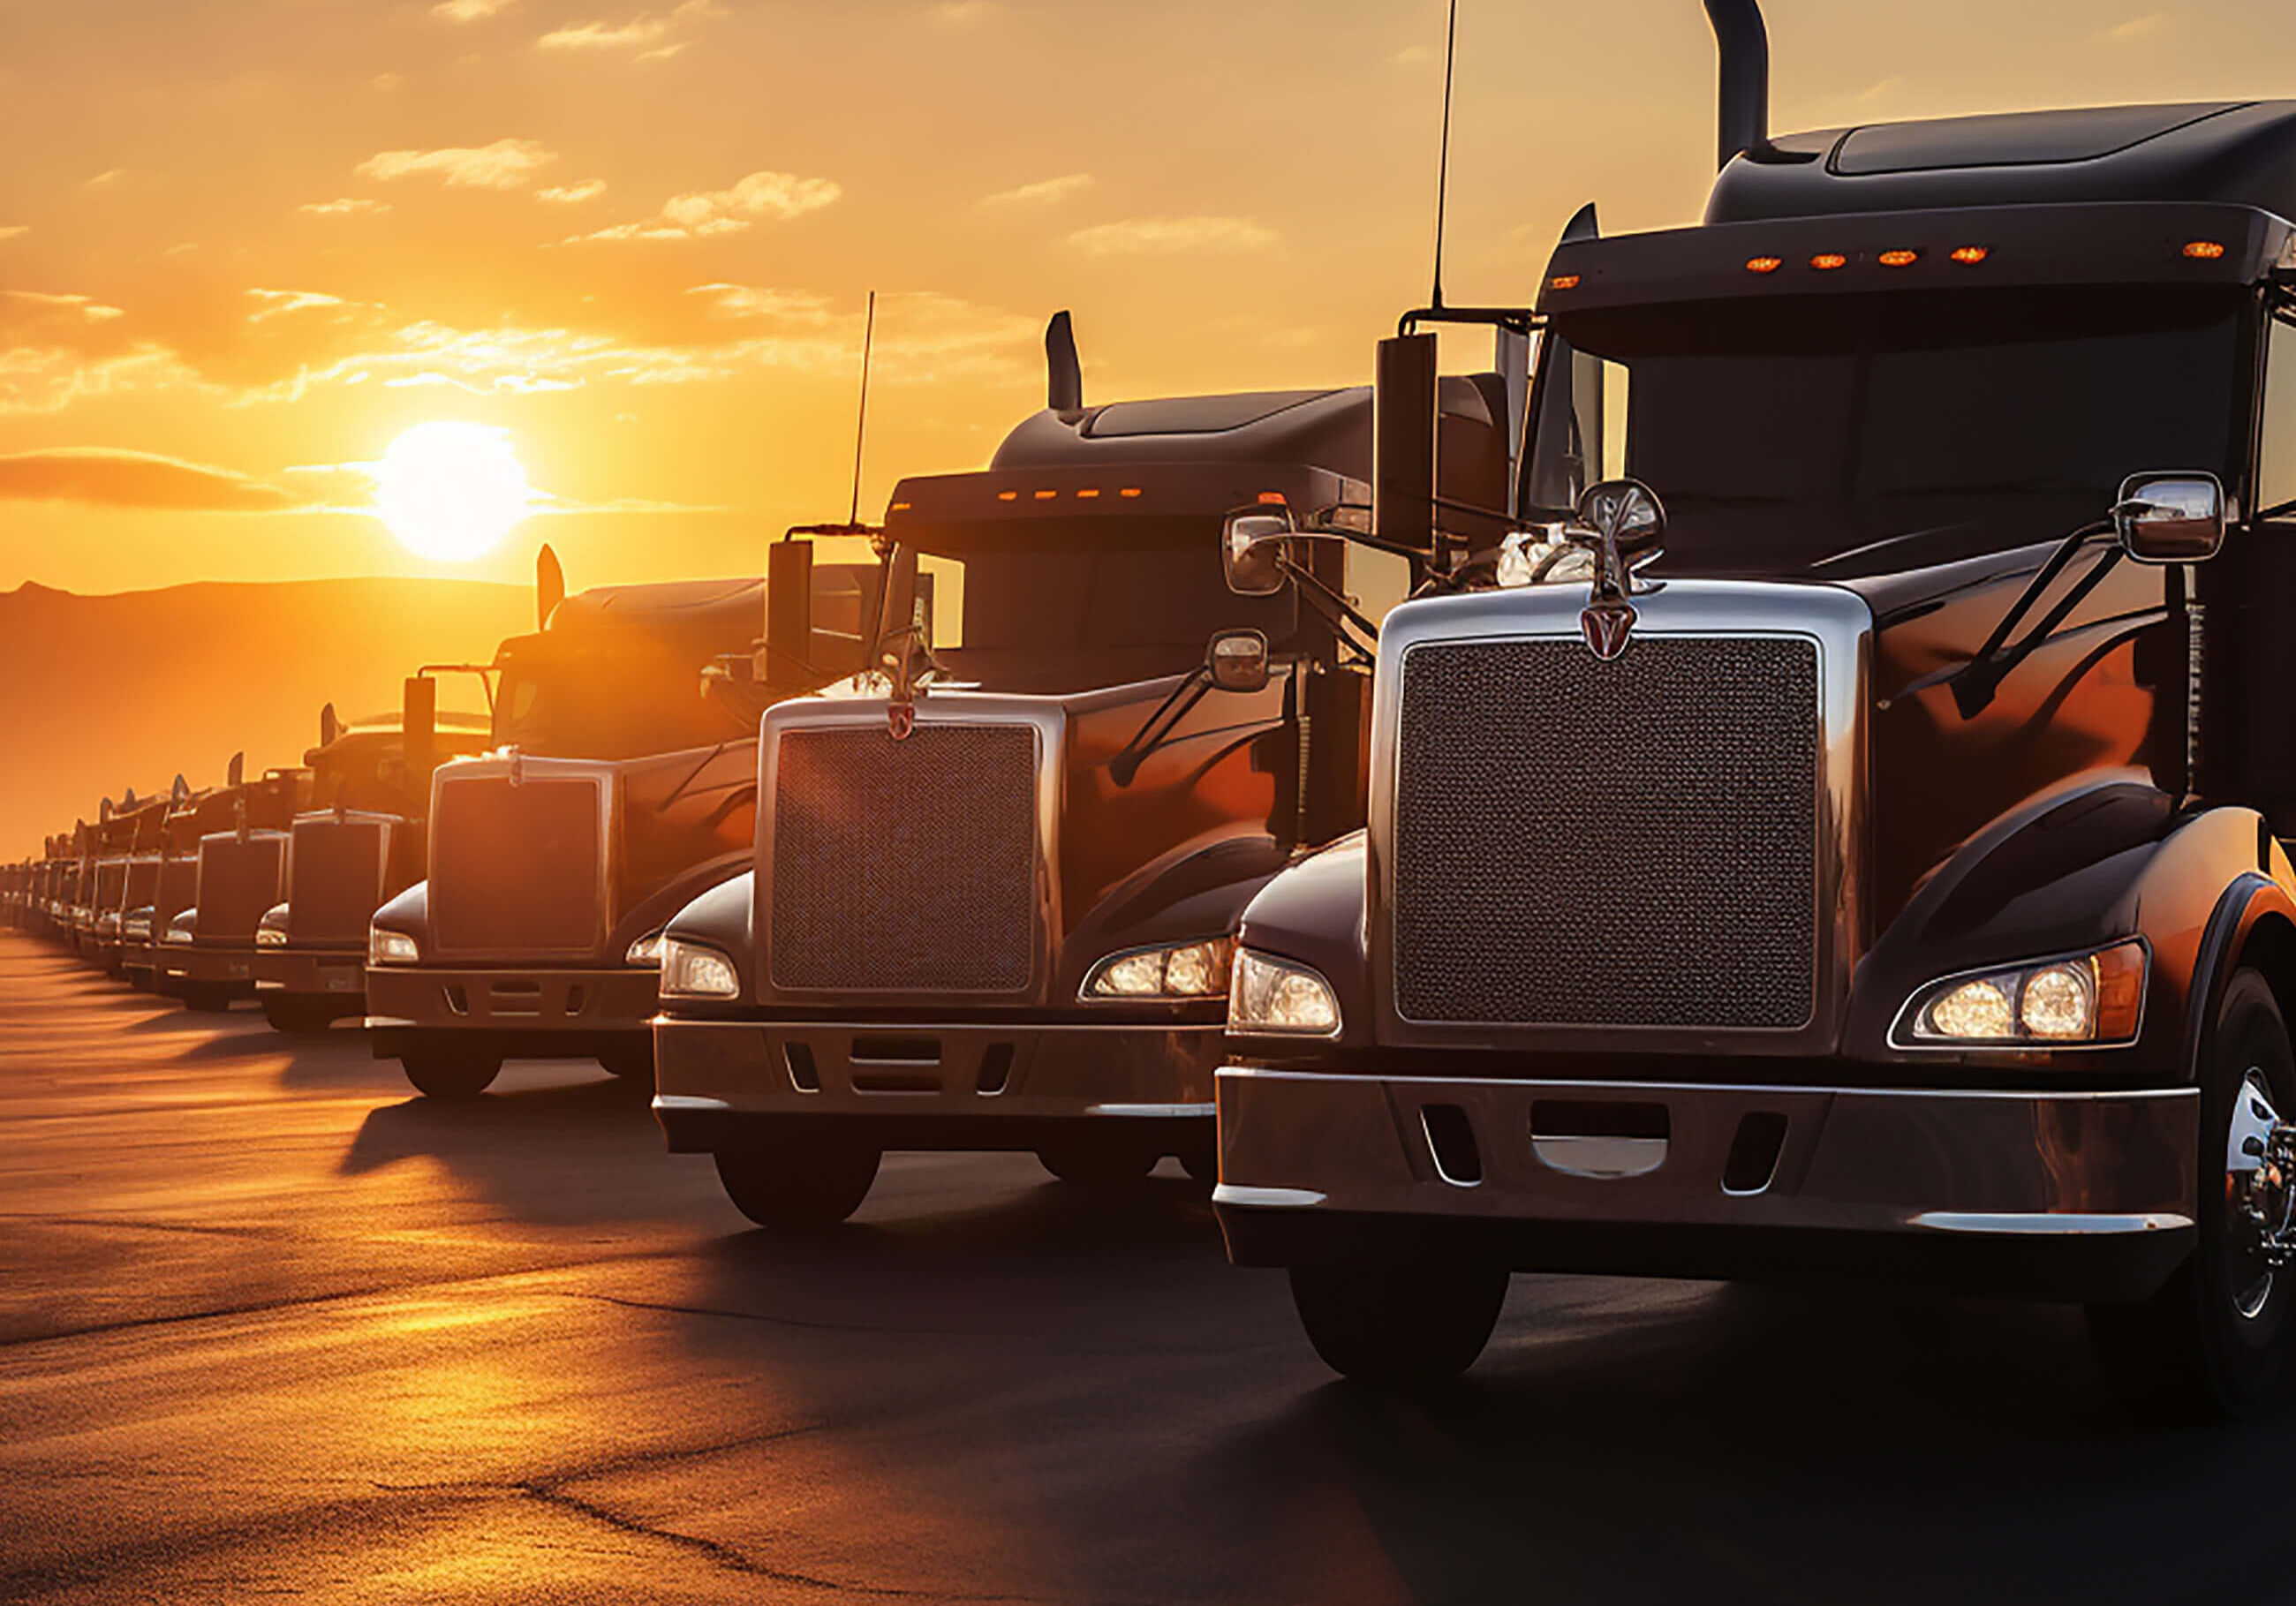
1063 372
1744 95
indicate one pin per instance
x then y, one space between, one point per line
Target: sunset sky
245 245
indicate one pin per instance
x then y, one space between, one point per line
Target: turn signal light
1899 258
1825 262
1971 255
2204 250
1764 264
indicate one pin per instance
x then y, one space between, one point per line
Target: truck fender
1314 914
657 910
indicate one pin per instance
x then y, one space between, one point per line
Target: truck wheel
1399 1324
450 1074
206 998
1093 1163
798 1182
631 1063
300 1016
2214 1340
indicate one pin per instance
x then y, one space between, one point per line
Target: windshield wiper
1976 682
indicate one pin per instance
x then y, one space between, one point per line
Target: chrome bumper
967 1086
312 972
531 1014
2077 1195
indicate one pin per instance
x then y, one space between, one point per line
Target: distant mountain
100 693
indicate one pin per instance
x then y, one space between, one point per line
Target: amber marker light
1088 493
1825 262
1046 495
1970 256
1899 258
1130 491
1563 282
2204 251
1271 499
900 507
1764 264
1008 496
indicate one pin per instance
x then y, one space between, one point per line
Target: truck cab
619 781
1855 846
994 883
205 951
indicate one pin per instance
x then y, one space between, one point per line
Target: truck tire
1094 1161
1401 1323
300 1016
2213 1341
206 998
448 1074
798 1182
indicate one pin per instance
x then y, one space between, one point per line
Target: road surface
270 1326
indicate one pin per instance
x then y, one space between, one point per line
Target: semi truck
359 842
1872 863
620 780
206 952
994 886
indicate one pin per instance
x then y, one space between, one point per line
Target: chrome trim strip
685 1101
1267 1199
1152 1111
1268 1073
1600 1158
2037 1225
1834 618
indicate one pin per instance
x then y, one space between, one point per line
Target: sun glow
450 492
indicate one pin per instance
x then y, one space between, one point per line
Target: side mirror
1253 546
1238 661
2170 518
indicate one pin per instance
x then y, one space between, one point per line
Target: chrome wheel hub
2261 1187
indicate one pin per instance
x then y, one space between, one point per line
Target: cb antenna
861 429
1443 163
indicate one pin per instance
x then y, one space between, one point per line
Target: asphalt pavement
270 1326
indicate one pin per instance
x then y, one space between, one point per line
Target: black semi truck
1871 863
993 894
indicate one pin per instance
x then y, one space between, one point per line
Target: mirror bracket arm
1310 585
1977 681
1156 726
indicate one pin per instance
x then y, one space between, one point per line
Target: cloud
1044 193
742 301
1412 55
279 303
646 29
102 179
1172 236
964 14
344 206
10 231
469 10
106 477
507 164
779 196
31 304
572 194
2137 28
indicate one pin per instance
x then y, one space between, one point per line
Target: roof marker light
1563 282
2204 250
1970 256
1825 262
1088 493
1271 499
1046 495
1764 264
1899 258
900 507
1008 496
1130 490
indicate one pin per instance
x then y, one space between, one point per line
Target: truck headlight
645 952
391 947
690 970
2089 999
1188 970
184 928
1275 996
271 930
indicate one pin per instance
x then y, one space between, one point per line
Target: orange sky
244 243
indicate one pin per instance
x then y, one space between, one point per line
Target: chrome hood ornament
1620 522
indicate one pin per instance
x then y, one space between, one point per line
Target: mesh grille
334 880
906 866
514 869
1628 844
239 880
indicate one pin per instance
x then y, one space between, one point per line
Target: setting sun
450 492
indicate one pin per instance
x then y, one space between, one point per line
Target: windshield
1865 433
1074 614
592 702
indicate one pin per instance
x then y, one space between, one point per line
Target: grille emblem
1620 523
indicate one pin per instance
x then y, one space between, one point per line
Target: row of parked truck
1792 787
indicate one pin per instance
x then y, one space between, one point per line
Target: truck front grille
907 867
239 880
334 880
515 870
1624 844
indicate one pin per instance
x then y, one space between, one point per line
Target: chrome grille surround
336 864
1781 622
239 880
900 926
549 898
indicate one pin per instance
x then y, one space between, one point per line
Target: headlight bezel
2116 975
682 957
1218 953
1245 978
645 952
384 947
